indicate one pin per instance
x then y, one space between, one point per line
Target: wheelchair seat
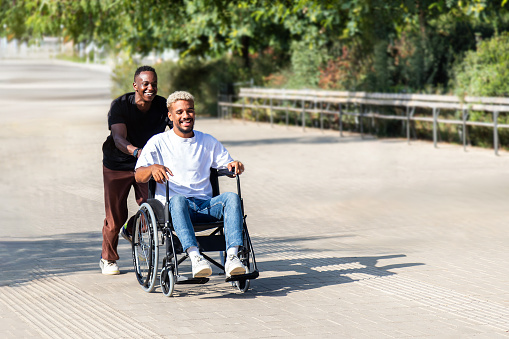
198 227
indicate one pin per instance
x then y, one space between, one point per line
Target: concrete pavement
354 238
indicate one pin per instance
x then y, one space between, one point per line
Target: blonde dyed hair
179 95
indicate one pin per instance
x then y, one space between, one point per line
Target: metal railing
369 105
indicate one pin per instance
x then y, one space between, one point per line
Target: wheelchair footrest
187 280
248 276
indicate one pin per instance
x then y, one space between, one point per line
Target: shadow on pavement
294 275
301 140
297 268
58 254
305 274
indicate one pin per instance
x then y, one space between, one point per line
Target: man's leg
140 191
116 190
181 220
141 194
227 206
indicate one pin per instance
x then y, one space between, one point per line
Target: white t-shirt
189 159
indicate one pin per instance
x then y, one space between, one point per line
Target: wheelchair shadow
288 266
281 277
304 274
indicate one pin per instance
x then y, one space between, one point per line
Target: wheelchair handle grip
226 172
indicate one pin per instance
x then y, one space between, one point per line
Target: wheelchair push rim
145 247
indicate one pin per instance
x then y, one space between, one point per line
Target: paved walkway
355 238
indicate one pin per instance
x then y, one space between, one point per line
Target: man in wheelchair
184 157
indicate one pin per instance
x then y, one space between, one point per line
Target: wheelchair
153 231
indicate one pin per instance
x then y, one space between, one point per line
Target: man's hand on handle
160 173
237 166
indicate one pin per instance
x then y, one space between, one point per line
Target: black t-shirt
140 127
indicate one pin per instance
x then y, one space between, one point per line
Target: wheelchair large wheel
145 247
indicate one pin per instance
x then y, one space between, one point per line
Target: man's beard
183 130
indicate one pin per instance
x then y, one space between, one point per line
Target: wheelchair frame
153 218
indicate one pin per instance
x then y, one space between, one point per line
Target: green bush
379 79
203 79
484 72
122 79
305 65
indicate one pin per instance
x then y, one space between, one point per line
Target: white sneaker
109 267
201 267
234 266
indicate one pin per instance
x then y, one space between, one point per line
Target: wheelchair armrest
226 172
215 173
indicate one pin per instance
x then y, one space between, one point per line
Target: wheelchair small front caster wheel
167 281
242 285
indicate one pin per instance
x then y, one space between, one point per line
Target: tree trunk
422 19
245 51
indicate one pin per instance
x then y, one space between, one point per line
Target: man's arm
119 133
160 173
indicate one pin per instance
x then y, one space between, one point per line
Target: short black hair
144 69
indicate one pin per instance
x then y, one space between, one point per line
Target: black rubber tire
243 285
167 280
145 248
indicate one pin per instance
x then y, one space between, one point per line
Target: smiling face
145 86
181 113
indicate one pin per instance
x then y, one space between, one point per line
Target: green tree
256 30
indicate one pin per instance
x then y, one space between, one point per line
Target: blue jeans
184 211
